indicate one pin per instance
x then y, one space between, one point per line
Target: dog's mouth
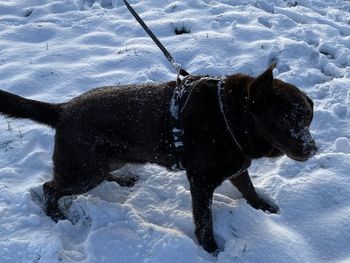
300 153
300 158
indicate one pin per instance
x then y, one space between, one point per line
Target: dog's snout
310 147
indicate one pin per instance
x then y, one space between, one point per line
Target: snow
55 50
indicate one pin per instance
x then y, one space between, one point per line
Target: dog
225 123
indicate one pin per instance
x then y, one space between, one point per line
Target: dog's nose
311 149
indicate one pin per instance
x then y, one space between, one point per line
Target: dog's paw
208 243
55 214
263 204
211 247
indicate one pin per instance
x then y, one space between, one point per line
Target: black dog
224 124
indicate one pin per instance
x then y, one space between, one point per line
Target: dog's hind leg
83 182
78 168
53 192
243 183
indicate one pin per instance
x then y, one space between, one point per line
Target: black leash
166 53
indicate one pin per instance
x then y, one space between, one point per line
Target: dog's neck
240 119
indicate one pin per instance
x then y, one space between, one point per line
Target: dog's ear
261 86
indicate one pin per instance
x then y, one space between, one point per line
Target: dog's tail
18 107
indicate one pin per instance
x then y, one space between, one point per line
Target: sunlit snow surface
55 50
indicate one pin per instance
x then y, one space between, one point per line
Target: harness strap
221 84
247 161
181 95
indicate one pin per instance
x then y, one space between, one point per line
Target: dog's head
282 114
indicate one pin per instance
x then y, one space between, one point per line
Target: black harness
181 96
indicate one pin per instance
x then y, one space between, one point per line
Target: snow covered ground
53 50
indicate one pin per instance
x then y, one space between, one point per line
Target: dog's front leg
243 183
202 196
